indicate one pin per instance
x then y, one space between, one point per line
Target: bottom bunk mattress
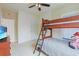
56 47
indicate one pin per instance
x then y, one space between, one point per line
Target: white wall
24 26
0 15
35 27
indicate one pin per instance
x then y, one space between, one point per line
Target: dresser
5 47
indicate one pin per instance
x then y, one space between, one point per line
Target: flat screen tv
3 32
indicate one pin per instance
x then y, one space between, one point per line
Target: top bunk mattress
56 47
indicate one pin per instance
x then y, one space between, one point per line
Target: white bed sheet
56 47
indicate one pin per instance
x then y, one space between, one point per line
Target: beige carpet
24 49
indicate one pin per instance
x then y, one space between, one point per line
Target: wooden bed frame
52 24
46 22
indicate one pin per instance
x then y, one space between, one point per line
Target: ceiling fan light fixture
37 5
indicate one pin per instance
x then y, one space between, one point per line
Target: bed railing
71 18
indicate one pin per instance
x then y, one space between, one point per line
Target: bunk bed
54 46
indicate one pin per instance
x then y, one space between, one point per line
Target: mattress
56 47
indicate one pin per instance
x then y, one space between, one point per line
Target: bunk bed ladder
37 41
38 44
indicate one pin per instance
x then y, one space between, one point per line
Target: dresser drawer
5 44
5 47
5 52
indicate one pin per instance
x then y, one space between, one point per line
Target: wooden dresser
5 47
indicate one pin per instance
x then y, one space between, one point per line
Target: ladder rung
38 48
40 44
40 39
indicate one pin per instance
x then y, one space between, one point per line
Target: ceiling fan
39 5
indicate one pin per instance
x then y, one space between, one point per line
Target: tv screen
3 32
3 35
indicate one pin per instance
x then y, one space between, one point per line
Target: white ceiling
24 6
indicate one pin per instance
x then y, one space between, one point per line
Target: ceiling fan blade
43 4
39 9
31 6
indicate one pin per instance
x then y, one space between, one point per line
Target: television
3 32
